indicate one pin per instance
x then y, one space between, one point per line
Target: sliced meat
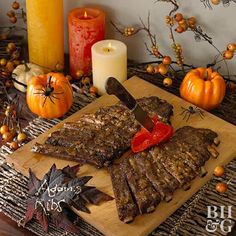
69 153
174 164
162 181
157 106
145 195
155 174
107 134
126 207
57 151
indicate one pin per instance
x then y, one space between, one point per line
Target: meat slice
186 152
163 182
57 151
145 195
174 165
105 135
126 207
157 106
69 153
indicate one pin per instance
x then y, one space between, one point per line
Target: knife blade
114 87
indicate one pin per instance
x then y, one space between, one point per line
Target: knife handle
113 86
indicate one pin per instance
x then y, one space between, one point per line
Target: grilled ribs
154 174
140 181
101 137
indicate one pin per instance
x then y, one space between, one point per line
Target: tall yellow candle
45 32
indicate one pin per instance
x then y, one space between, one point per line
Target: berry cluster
86 83
10 129
12 14
182 23
162 69
155 51
229 52
169 20
221 187
178 53
7 65
128 31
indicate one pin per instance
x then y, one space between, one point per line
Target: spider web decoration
225 3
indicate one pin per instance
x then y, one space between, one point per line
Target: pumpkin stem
205 76
27 69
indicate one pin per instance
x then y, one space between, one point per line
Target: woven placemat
190 219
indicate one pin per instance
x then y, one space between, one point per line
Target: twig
208 39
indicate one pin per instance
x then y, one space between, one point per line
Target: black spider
48 92
187 112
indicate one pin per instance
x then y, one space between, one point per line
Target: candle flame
85 14
109 45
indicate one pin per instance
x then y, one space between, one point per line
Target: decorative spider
187 112
48 91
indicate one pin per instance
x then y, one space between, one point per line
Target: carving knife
114 87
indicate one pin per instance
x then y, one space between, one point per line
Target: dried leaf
71 171
51 197
42 218
80 205
95 196
30 210
33 183
61 220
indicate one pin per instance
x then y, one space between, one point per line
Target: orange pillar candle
86 27
45 32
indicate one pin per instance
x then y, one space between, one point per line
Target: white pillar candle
109 59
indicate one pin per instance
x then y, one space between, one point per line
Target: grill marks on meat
101 137
163 182
155 174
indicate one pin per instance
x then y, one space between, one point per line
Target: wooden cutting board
104 217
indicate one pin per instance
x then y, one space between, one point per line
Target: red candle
86 27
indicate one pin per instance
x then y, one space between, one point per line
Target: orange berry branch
16 12
13 15
177 23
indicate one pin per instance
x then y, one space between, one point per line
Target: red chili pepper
144 139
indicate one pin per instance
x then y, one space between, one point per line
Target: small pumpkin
203 87
23 73
49 95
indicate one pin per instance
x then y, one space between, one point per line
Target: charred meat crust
146 197
154 174
161 180
126 207
102 137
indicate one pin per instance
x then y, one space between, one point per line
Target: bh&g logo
219 217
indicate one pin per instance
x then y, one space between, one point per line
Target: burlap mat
190 219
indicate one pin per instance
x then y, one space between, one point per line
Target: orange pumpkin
49 96
203 87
